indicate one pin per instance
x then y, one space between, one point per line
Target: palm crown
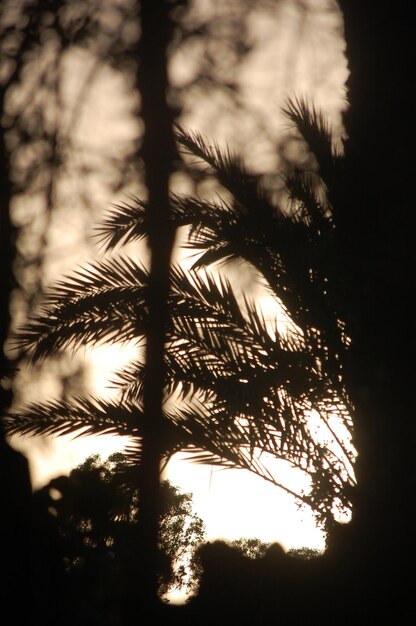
236 391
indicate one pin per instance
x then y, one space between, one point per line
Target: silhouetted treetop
88 521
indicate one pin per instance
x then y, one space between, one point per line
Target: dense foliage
85 526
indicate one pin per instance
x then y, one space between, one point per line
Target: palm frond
229 170
78 417
308 201
105 302
126 222
129 383
316 131
292 255
205 293
97 276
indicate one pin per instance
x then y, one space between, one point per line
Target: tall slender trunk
15 484
158 152
7 257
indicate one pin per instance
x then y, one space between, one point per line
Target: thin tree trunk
15 484
158 152
7 256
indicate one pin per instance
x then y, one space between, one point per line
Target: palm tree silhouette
236 393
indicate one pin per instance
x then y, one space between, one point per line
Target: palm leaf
229 169
78 417
316 131
126 222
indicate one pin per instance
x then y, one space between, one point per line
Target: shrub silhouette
85 526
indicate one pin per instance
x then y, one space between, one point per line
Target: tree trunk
15 484
158 151
374 221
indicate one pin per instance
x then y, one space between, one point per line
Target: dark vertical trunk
15 485
375 225
7 256
158 153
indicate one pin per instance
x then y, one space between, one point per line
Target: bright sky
236 503
299 51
